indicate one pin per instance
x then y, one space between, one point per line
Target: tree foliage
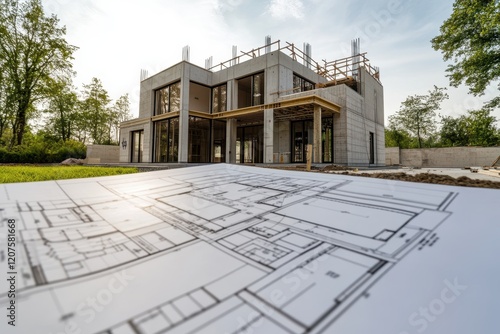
120 112
476 128
417 113
33 52
395 137
42 116
95 112
470 38
62 110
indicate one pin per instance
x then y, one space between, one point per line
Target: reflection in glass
167 140
137 145
219 141
199 140
327 139
258 89
251 91
175 97
219 99
168 99
249 144
303 134
301 85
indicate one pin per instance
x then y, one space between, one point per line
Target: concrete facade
103 154
274 106
457 157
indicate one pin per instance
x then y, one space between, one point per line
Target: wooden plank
309 156
496 161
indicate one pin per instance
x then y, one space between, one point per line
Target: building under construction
262 106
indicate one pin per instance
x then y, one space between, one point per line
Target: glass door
137 145
327 139
298 142
249 145
303 134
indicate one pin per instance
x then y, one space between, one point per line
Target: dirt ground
425 176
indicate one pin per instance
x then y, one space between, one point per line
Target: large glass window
303 134
219 99
167 140
199 140
251 91
219 141
327 139
249 144
168 99
301 85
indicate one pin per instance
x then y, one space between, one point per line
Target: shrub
43 152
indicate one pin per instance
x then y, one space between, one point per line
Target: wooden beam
165 116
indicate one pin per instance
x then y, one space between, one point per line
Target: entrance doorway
303 134
372 148
250 144
137 145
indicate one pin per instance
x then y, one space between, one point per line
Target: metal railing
334 71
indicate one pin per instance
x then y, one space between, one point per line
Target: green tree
417 114
395 137
95 112
470 37
120 112
6 112
477 128
62 110
453 131
32 52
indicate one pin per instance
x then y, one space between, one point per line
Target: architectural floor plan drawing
236 249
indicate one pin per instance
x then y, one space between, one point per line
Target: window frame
304 84
219 94
169 103
252 89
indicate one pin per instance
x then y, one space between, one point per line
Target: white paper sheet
236 249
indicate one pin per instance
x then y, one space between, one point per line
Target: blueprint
237 249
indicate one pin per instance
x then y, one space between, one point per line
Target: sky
117 39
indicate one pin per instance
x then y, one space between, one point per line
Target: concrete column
268 136
229 95
231 128
317 141
184 118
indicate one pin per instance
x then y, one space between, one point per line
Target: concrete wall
126 135
103 154
392 156
458 157
360 114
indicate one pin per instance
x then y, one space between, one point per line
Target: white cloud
285 9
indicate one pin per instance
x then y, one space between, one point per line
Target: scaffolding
336 72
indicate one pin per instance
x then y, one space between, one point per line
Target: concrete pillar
184 118
231 128
268 136
229 95
317 141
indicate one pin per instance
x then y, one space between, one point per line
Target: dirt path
421 177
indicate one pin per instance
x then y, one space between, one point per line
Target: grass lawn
11 174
